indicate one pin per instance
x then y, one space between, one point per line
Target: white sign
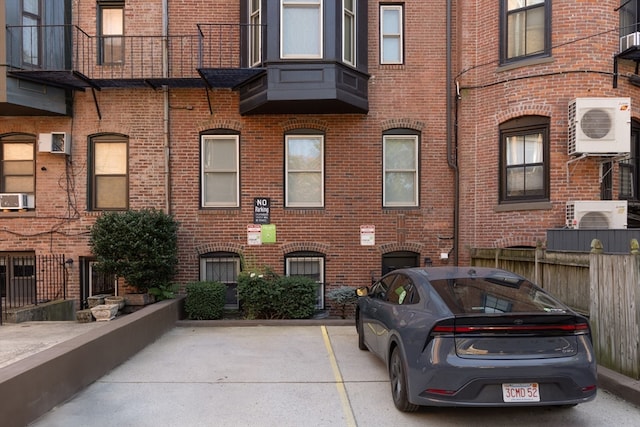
367 235
254 232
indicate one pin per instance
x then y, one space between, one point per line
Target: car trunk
518 336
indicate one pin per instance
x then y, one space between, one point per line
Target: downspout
452 134
165 93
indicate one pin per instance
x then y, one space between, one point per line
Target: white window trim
236 169
354 43
255 17
310 4
399 36
320 261
286 162
416 180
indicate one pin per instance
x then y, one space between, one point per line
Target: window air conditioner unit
14 201
629 41
597 214
55 142
600 126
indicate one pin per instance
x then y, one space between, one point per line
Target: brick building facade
392 118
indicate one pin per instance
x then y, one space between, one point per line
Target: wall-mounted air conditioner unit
14 201
629 41
55 142
599 126
597 214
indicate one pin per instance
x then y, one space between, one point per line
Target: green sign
268 233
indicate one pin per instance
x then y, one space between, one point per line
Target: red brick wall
585 38
411 95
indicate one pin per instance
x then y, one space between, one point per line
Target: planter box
139 299
115 300
105 312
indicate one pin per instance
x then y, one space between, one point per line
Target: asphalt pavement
279 375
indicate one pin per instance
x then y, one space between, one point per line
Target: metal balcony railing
69 57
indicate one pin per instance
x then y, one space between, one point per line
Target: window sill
527 62
17 213
524 206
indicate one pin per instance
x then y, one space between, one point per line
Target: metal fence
70 48
27 280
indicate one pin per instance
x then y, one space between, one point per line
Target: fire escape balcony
65 56
231 56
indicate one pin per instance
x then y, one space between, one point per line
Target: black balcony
66 56
214 56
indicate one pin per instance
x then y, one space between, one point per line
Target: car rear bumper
453 381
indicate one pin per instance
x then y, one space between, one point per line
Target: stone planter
95 300
104 312
115 300
134 302
139 299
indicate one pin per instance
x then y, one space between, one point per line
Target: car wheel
360 328
398 379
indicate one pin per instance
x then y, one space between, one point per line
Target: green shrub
265 295
297 297
139 246
344 297
257 295
205 300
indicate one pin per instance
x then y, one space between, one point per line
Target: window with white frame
526 29
400 166
304 170
255 33
349 32
220 171
391 34
309 265
301 29
222 267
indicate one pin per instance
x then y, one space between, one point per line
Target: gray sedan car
470 336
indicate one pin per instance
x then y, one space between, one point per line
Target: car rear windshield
469 295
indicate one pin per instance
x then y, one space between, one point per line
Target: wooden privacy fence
615 314
605 287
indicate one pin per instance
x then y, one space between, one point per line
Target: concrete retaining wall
31 387
60 310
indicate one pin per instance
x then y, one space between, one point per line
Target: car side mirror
362 291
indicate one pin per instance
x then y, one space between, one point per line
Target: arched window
222 267
524 159
400 164
308 264
108 173
17 164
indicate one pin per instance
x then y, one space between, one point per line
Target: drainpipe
165 93
452 135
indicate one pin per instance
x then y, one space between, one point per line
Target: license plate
527 392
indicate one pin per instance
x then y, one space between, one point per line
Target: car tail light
452 327
576 329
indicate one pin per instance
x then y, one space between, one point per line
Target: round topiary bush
139 246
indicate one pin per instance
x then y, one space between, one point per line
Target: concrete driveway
279 376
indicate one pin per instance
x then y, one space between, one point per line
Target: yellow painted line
342 391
